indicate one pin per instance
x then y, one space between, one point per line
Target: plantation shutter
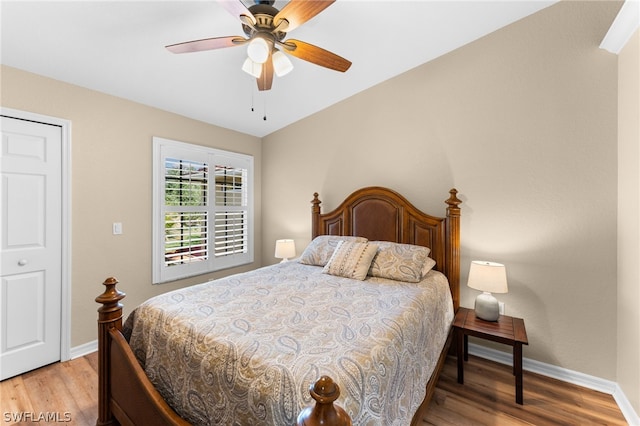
186 216
202 210
231 209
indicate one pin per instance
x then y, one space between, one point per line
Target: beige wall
523 122
629 221
111 182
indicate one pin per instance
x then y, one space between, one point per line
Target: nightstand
507 330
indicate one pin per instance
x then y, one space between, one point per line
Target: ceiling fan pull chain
265 109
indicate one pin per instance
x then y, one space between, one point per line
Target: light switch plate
117 228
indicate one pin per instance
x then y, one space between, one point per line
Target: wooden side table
507 330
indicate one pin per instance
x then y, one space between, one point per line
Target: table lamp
285 250
488 277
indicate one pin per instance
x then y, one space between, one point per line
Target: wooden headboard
381 214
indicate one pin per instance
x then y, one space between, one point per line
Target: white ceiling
117 47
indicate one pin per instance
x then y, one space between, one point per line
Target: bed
245 349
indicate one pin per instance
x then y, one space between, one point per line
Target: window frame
164 149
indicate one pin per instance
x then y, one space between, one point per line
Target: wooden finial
453 201
316 202
324 412
111 297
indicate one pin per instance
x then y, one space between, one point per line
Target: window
202 219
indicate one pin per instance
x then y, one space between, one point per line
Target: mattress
243 350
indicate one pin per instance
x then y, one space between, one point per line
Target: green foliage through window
185 231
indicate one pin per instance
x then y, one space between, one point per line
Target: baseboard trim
569 376
625 406
85 349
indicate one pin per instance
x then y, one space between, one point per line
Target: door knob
22 262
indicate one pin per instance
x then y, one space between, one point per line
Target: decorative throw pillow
351 260
400 262
319 251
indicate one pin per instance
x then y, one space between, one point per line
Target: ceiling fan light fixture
281 64
258 50
266 29
252 68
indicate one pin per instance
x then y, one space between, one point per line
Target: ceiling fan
266 28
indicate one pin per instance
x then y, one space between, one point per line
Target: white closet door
31 245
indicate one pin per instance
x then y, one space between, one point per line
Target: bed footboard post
109 317
453 245
315 215
325 391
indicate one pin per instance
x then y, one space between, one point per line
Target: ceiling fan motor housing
263 13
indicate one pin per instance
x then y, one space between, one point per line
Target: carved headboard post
315 215
453 245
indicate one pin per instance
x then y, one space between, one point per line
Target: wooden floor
488 398
66 393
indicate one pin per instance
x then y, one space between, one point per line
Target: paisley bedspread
243 350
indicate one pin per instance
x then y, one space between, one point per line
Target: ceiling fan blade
315 54
266 77
238 9
206 44
297 12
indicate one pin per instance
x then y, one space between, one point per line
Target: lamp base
487 307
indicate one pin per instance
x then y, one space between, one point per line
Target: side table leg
517 366
460 337
466 347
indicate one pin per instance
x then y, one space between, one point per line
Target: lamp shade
285 249
488 276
